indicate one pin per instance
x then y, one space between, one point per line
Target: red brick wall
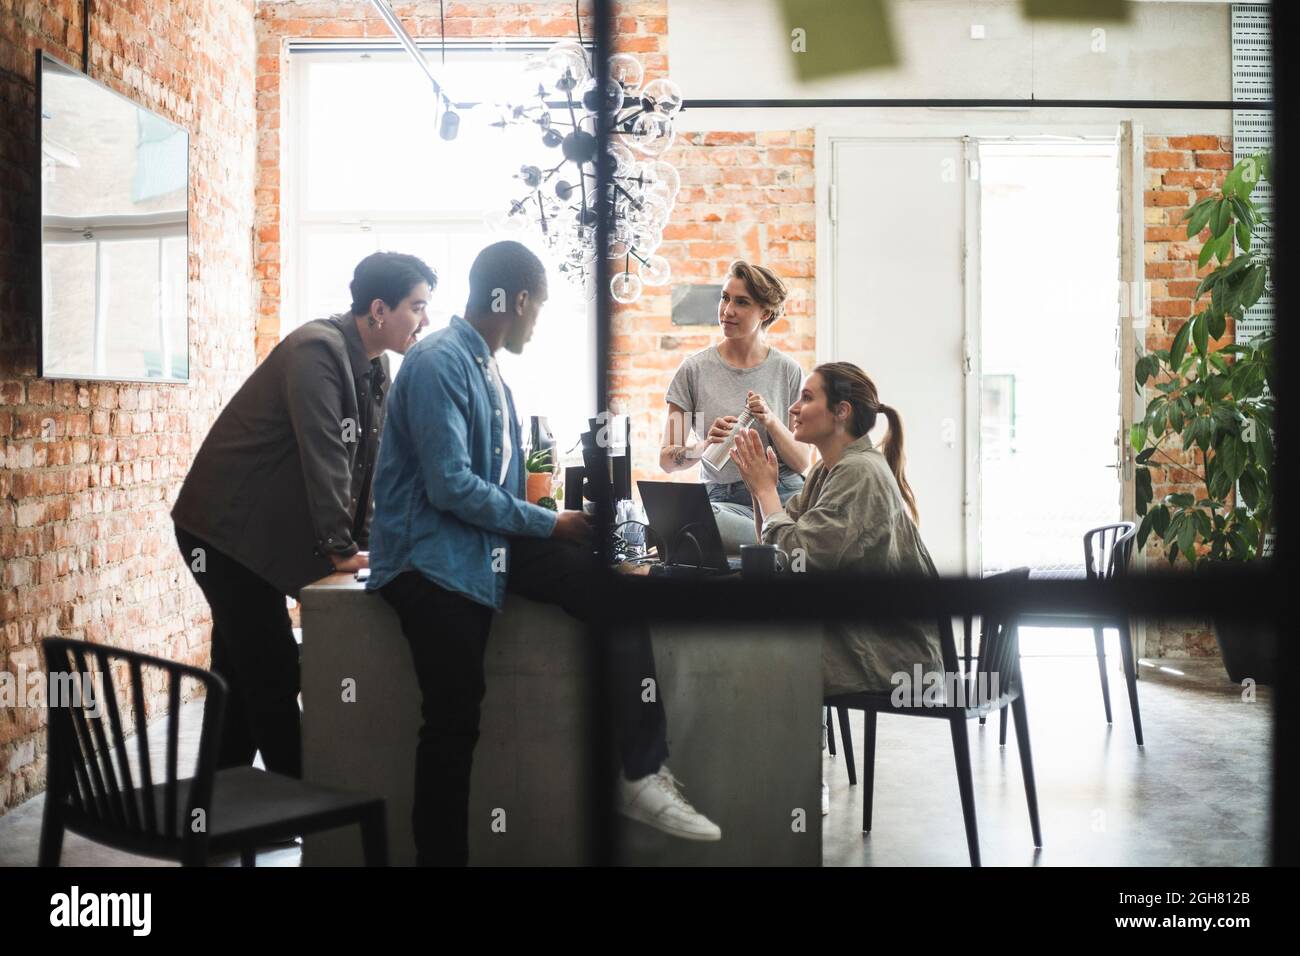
1180 170
85 539
744 195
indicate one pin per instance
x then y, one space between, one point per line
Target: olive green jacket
852 518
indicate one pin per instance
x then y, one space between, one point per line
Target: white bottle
718 455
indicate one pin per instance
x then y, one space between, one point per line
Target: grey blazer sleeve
316 381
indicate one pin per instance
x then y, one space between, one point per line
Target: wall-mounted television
114 242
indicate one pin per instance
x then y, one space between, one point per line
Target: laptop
682 525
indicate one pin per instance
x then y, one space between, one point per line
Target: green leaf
1180 345
1221 218
1160 523
1262 448
1186 536
1200 432
1226 417
1218 294
1144 529
1176 416
1207 250
1232 181
1241 208
1232 456
1145 455
1198 216
1142 489
1252 286
1200 333
1249 490
1181 499
1137 436
1223 246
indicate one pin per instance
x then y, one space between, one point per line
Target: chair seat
881 702
250 806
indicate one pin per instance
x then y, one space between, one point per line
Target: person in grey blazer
279 496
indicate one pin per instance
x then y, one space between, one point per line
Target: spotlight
450 125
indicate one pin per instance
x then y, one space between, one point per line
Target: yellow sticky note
830 37
1085 10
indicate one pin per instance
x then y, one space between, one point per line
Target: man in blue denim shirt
452 533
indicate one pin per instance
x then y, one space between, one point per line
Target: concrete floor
1195 795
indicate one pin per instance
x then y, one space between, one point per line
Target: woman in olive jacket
856 513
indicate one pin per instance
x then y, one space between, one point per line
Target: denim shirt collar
471 338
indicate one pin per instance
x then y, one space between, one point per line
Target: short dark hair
389 276
509 266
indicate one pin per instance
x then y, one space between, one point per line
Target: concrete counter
743 707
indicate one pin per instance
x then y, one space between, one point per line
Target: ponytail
845 382
892 447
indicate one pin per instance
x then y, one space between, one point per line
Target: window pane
328 260
372 139
369 150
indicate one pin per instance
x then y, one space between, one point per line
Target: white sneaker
826 796
656 801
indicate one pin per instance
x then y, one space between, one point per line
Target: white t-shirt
506 446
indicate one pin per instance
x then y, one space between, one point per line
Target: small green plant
549 503
538 461
1219 402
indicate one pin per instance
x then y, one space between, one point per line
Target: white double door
899 294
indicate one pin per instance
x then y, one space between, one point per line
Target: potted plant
1217 404
541 477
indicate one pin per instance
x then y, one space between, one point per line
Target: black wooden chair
1107 552
998 667
93 790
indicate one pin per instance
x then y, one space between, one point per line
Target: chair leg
846 734
1002 726
374 836
965 784
830 732
868 767
195 853
1130 676
248 856
51 834
1026 764
1098 637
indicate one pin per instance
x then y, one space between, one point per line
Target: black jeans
253 650
448 636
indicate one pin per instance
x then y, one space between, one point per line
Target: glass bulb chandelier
555 125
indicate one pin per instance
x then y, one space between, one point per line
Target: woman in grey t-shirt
713 386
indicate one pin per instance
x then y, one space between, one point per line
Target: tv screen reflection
114 234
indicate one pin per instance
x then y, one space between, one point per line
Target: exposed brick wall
743 195
85 539
1180 170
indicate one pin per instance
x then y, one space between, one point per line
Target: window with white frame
365 169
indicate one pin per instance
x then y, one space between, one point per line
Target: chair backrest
90 771
998 670
1108 549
